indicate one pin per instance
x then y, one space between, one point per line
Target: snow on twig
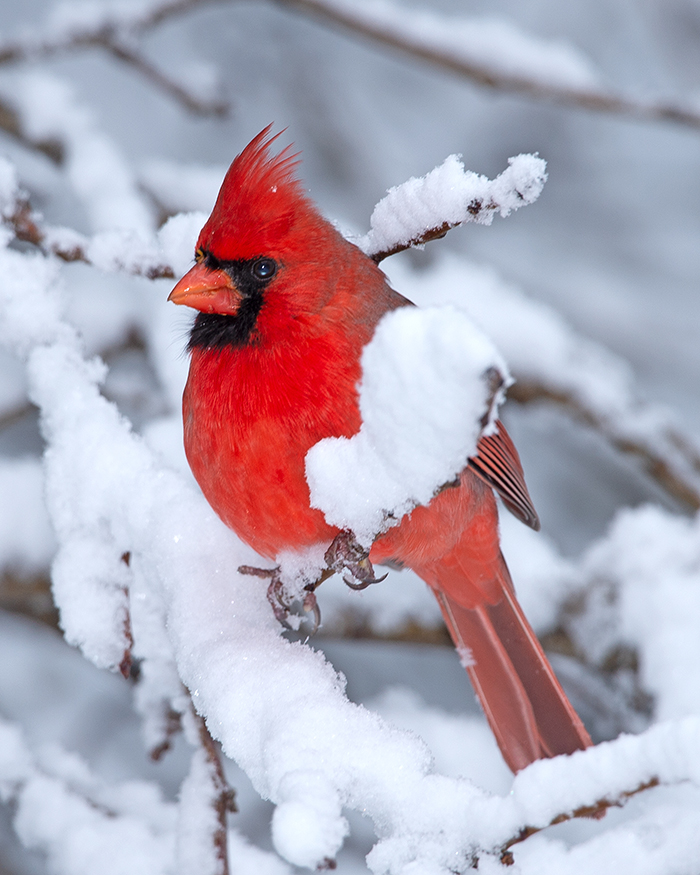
79 823
121 252
424 209
667 456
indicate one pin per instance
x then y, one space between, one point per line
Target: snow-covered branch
494 54
670 458
423 209
116 251
552 363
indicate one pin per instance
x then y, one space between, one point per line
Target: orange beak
211 291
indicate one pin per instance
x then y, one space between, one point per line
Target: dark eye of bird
263 268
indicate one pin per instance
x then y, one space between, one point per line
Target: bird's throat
218 331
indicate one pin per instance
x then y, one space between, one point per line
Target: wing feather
497 463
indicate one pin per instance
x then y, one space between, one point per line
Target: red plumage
286 306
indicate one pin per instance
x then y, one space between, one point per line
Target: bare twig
109 33
581 98
596 811
225 799
676 469
116 33
11 123
158 77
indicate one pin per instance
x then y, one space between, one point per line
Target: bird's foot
347 554
277 597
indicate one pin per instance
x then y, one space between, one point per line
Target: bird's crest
259 203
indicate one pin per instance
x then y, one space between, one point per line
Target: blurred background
120 115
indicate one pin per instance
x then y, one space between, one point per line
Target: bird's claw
310 605
347 554
276 592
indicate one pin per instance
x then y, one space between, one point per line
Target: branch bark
595 811
677 470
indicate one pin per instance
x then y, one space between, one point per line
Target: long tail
524 703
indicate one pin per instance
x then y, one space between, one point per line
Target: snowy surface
591 292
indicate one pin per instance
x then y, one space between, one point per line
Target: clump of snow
449 195
649 561
307 826
538 343
423 395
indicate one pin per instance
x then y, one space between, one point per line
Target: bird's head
262 226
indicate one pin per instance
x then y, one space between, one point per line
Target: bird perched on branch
286 305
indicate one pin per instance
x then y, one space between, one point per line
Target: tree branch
115 32
670 460
594 811
110 31
69 245
119 49
597 100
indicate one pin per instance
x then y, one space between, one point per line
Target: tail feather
524 703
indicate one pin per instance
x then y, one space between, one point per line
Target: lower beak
207 290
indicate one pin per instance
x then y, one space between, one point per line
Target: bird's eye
199 255
264 268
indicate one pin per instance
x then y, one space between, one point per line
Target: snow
449 195
424 391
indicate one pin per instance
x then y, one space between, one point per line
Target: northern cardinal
286 305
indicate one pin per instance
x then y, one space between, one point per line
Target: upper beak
211 291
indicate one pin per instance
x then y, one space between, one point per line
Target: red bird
286 305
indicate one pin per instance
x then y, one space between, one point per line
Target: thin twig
11 123
663 469
427 237
116 34
583 98
595 811
225 801
158 77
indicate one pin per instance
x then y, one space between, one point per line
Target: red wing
497 463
